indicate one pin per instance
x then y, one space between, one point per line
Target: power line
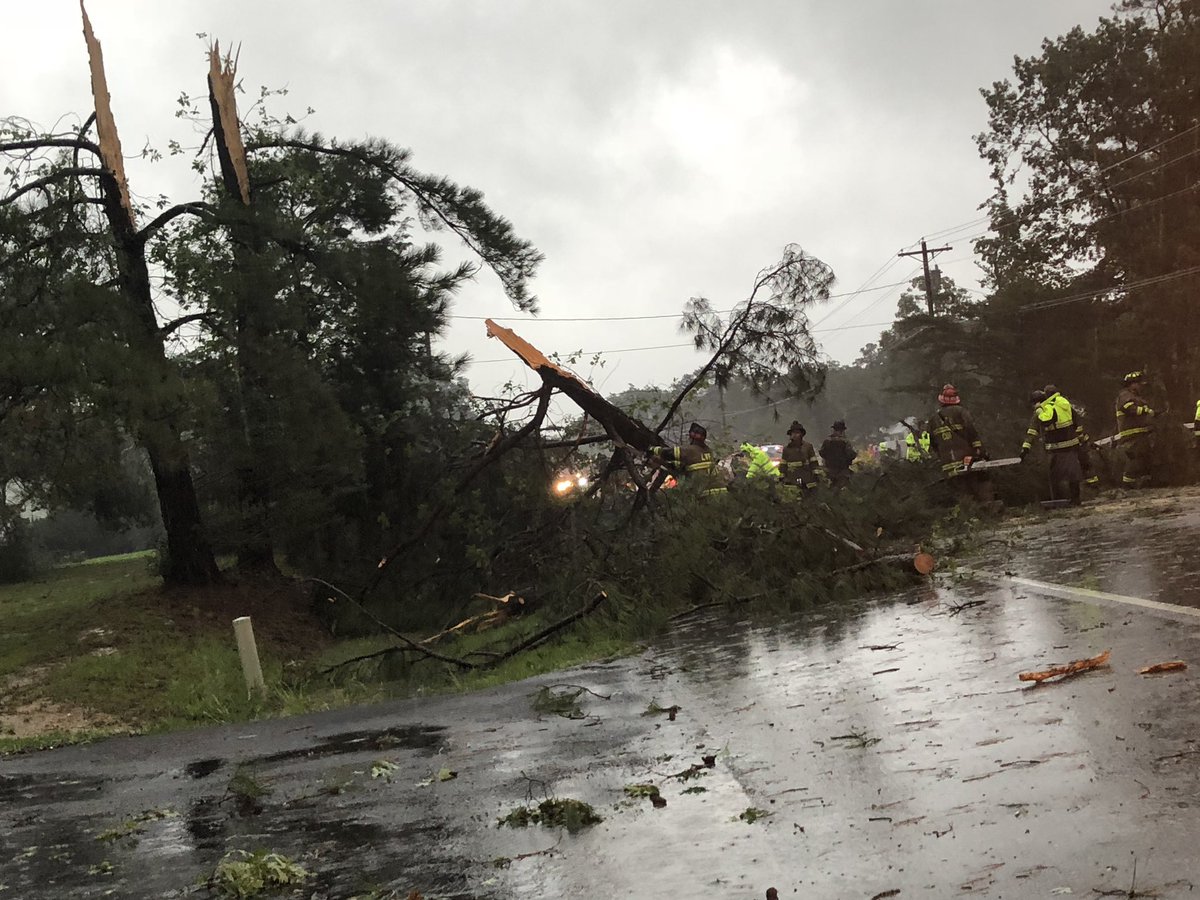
878 287
978 221
1144 282
674 346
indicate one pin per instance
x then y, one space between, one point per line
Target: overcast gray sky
654 150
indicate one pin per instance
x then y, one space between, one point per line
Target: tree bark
256 549
155 422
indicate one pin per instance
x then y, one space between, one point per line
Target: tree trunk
153 417
256 549
190 558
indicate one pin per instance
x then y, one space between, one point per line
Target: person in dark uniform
798 464
837 455
1135 426
953 437
694 461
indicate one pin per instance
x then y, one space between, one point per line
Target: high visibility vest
760 463
924 441
911 452
1058 423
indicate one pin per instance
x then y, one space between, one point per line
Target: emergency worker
837 455
1135 426
761 467
1054 419
1196 428
955 440
694 461
798 465
1090 475
916 445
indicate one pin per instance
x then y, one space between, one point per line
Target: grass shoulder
100 648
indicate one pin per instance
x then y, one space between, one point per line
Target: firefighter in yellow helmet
694 461
1135 428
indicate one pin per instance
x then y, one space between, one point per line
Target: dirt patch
280 608
42 717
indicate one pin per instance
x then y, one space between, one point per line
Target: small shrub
572 815
563 703
241 874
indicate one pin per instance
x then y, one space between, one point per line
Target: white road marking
1074 593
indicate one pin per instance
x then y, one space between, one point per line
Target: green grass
432 676
43 618
168 672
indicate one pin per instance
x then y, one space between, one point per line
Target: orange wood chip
1174 665
1071 668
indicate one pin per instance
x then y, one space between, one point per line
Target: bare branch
42 143
195 208
50 179
170 327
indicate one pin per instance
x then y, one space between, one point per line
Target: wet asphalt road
889 741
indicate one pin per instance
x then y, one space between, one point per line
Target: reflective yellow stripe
1063 445
1129 432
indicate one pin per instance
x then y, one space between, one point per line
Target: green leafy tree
1094 147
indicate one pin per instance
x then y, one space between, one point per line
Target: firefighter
798 465
837 455
694 460
956 442
761 467
1090 475
1054 419
1135 441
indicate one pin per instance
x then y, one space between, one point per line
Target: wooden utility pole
925 253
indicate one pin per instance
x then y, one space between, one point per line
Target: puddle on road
414 737
37 789
202 768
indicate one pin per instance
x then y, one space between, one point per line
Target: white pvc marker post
243 630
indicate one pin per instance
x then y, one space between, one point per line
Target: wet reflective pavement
888 745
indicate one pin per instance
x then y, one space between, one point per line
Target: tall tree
1102 130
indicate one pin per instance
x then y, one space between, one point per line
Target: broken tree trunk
616 422
157 421
252 325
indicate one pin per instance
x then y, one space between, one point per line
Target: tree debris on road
1072 668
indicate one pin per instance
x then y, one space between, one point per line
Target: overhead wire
670 346
879 287
1104 170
